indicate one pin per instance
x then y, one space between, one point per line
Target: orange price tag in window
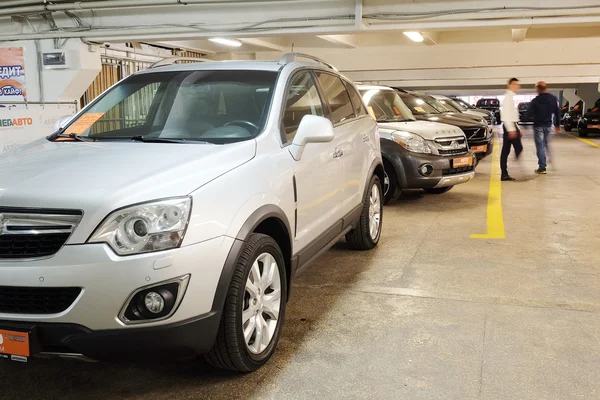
83 123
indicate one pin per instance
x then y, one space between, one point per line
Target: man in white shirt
512 136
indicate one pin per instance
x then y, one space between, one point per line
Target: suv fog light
154 302
426 169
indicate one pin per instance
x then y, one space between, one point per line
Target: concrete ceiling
466 42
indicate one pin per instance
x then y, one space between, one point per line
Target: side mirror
312 129
62 121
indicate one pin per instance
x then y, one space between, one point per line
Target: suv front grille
31 246
452 152
34 233
475 133
447 146
36 300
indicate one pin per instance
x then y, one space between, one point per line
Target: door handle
338 152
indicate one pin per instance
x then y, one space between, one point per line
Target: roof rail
291 57
173 60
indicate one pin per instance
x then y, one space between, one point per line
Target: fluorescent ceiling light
226 42
414 36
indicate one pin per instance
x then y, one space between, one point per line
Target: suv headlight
147 227
411 142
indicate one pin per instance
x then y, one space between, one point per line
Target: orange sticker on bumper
14 343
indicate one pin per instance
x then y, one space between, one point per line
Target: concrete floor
431 314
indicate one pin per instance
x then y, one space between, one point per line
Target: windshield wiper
146 139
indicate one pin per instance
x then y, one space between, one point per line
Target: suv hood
425 129
99 177
452 120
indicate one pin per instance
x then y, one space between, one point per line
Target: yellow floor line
583 140
495 221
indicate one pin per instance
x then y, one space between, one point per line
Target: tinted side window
359 107
337 96
302 99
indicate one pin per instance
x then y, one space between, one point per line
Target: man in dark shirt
545 112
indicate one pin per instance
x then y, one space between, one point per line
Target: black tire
568 128
360 238
390 190
441 190
230 350
582 133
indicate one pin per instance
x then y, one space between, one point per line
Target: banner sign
12 74
20 124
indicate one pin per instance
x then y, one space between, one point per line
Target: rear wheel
438 190
366 234
390 183
254 308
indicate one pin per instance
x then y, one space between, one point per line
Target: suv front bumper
91 325
406 165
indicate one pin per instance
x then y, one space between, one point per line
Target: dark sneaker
507 178
541 171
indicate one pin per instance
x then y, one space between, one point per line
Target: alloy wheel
262 303
374 212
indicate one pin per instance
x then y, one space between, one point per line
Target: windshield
386 105
436 104
450 105
417 106
455 104
204 106
464 104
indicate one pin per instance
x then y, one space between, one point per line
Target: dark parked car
470 107
417 154
492 105
563 110
479 135
524 114
570 118
457 107
590 121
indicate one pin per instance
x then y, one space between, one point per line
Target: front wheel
254 308
582 133
366 234
438 190
568 128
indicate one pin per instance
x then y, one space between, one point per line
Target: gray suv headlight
147 227
411 142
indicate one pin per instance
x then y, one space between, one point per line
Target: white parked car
169 216
417 154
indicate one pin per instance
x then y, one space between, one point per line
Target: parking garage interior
490 290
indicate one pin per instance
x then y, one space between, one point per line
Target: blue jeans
541 134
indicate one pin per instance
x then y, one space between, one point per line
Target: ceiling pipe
112 4
154 33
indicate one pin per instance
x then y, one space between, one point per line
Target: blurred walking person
512 136
545 112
